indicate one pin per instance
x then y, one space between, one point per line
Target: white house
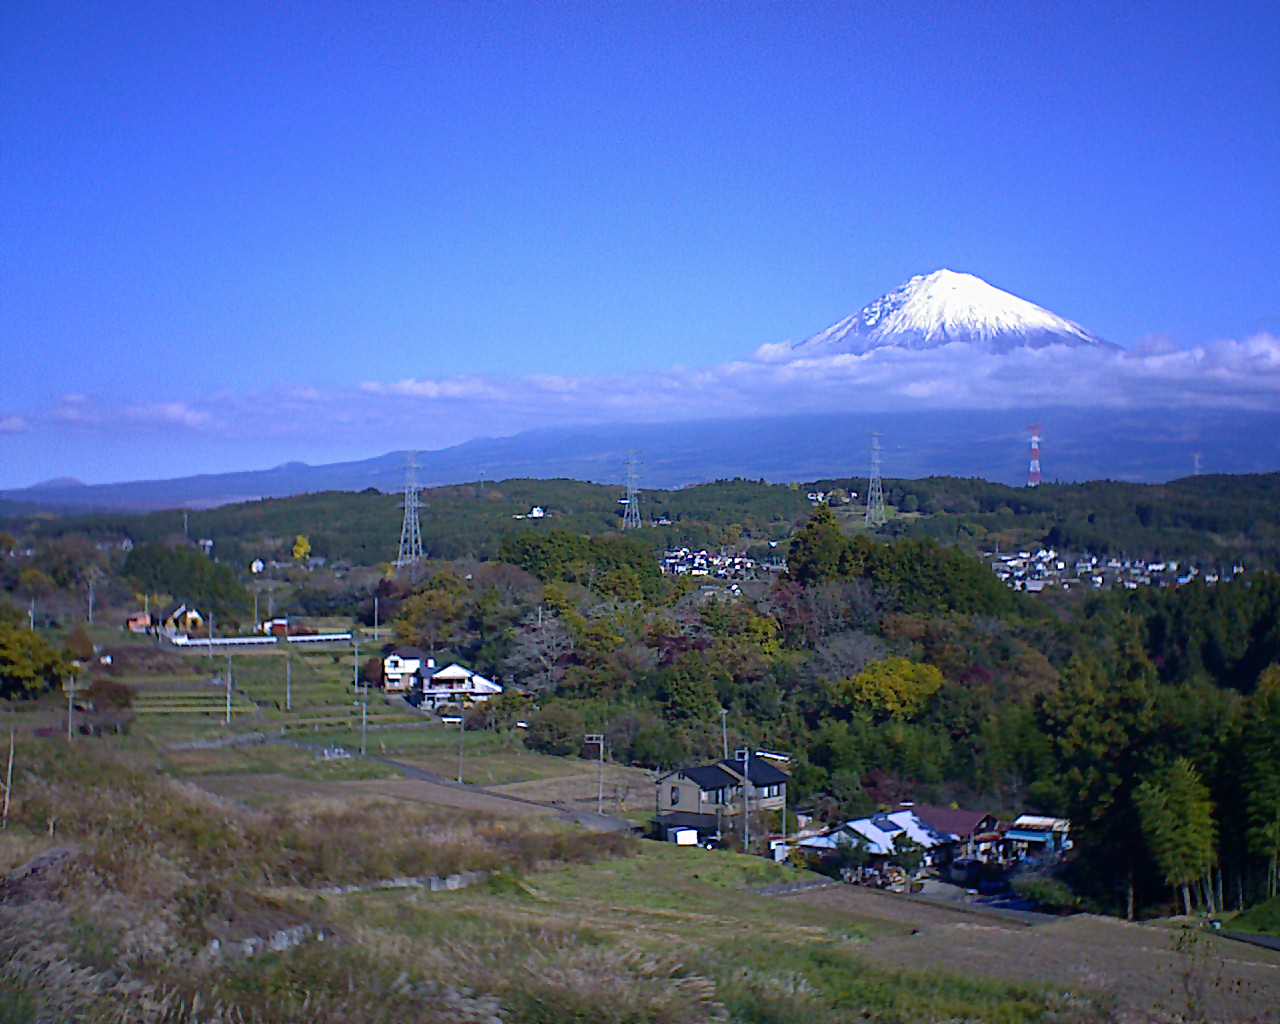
455 684
402 666
877 834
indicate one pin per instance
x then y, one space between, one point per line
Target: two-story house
706 797
404 666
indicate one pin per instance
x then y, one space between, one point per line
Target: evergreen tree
1177 822
1262 773
1101 724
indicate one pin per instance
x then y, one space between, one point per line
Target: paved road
1265 941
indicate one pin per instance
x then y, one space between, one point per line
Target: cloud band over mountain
777 380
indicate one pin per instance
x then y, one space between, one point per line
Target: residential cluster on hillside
709 804
723 565
1046 569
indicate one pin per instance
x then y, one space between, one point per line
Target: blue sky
239 234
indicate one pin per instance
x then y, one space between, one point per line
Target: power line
876 514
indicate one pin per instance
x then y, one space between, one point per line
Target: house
975 831
878 833
703 796
138 622
456 684
178 619
1031 835
279 626
403 668
257 565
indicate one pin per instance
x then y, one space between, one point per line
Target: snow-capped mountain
943 308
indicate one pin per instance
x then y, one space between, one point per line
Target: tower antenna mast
631 516
876 514
1033 469
411 529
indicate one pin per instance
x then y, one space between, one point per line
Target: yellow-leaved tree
892 688
301 548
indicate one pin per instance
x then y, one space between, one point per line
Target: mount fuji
945 308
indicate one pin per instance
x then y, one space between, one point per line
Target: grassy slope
1264 919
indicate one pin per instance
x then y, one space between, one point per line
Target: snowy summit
944 308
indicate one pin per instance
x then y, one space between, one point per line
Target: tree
28 664
434 614
79 644
1101 724
689 689
301 548
907 853
817 551
557 729
1261 749
538 651
35 585
892 688
1177 822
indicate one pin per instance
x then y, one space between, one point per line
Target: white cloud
1224 374
175 413
13 425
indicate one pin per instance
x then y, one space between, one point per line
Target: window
675 795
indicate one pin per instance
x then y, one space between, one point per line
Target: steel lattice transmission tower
411 530
876 515
1033 467
631 515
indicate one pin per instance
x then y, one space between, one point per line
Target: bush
1049 893
557 729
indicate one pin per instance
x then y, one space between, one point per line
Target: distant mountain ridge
945 308
1079 444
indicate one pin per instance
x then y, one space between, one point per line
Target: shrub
1050 893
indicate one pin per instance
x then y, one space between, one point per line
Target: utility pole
70 687
724 731
598 739
210 647
462 725
364 725
255 609
8 783
91 600
228 686
375 616
743 754
288 680
355 667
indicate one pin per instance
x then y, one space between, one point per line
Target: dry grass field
628 792
1152 972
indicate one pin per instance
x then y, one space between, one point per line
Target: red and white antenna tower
1033 470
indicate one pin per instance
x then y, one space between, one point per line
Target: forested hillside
1223 519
